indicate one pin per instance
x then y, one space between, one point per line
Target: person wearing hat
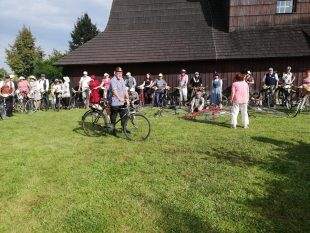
23 87
195 83
159 85
34 92
146 88
43 85
7 90
84 87
183 82
130 82
119 96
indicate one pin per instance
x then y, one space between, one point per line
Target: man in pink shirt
240 99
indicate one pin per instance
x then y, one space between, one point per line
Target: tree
47 66
84 30
23 54
2 72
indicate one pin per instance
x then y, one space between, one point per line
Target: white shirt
66 89
84 82
41 85
288 78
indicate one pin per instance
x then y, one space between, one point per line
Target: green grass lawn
188 177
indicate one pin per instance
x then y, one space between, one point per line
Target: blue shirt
119 87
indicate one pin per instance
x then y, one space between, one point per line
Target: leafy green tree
2 73
23 54
47 66
84 30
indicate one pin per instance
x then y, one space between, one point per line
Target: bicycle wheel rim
93 124
137 128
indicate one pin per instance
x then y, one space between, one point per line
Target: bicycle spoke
137 128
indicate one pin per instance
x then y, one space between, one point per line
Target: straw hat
21 78
66 79
31 77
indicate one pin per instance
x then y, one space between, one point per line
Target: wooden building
226 36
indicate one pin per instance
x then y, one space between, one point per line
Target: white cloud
50 21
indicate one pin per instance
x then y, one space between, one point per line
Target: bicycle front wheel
30 106
137 127
93 124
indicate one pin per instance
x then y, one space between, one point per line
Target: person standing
183 82
250 81
7 90
105 84
130 82
216 92
43 85
34 93
160 86
94 86
84 87
146 86
240 98
66 92
23 87
119 98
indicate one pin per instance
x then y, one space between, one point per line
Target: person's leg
122 113
244 115
9 106
114 112
181 95
234 115
185 94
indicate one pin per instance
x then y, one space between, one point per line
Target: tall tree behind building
23 54
84 30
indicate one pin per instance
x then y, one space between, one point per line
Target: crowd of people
121 89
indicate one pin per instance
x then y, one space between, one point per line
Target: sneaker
246 127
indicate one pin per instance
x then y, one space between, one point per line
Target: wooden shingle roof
141 31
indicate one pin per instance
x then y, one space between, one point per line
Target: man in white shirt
183 81
84 87
43 86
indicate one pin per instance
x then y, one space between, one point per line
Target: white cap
106 75
66 79
248 72
21 78
85 73
128 74
161 75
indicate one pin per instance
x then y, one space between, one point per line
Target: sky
51 21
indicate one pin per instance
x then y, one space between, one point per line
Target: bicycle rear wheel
93 123
137 127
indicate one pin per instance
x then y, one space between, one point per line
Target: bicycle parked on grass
96 122
302 105
76 100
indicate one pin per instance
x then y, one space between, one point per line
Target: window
285 6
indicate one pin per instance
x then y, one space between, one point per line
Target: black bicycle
96 122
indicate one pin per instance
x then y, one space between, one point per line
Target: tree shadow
286 204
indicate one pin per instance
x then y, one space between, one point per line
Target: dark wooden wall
227 69
258 13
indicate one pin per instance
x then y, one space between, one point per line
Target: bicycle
96 122
302 105
76 100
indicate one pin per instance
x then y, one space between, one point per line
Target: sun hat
21 78
66 79
31 77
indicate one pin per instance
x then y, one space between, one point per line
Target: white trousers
183 94
244 114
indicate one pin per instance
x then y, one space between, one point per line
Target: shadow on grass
286 205
213 122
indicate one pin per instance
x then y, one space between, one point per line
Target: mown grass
188 177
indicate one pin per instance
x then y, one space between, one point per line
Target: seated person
198 102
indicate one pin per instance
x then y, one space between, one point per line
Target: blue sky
51 21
